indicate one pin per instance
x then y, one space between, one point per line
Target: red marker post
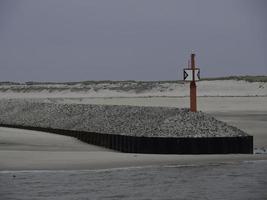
192 74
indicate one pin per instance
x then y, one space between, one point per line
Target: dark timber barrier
157 145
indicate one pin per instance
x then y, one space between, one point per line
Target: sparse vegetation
240 78
137 83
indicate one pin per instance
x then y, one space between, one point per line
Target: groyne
131 129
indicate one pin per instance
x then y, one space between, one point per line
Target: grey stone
115 119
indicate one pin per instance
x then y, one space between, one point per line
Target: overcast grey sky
72 40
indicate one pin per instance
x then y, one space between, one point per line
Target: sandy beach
32 150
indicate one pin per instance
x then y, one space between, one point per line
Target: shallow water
246 180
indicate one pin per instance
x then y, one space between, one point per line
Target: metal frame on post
192 74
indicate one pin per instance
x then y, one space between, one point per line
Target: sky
76 40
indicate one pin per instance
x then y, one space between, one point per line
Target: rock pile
114 119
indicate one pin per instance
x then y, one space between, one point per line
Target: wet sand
32 150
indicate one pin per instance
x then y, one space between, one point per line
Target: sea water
243 180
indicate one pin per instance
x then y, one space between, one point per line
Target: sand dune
133 89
